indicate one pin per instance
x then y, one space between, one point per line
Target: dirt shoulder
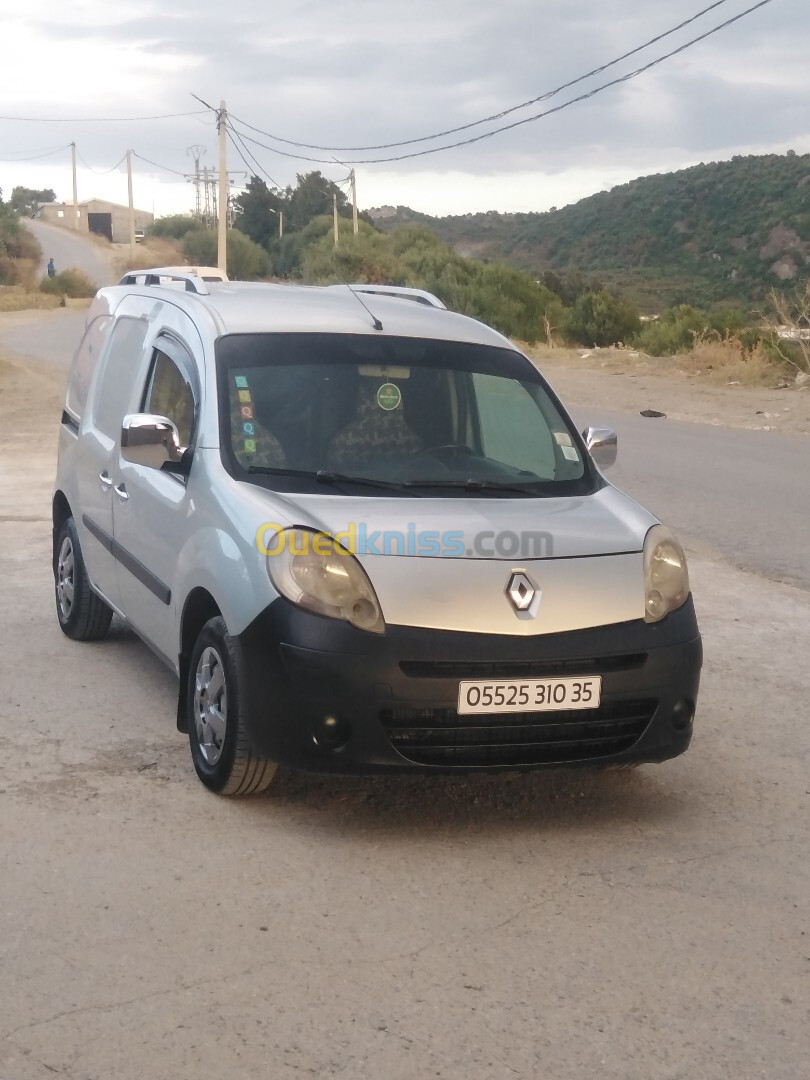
617 380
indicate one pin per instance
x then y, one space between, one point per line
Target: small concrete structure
97 216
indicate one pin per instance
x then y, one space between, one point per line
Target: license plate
537 695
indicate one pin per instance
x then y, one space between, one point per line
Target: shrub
600 318
246 260
73 283
175 226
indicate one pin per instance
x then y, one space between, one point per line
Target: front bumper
327 697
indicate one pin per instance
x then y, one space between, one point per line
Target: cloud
362 73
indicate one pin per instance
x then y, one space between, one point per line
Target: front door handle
105 479
121 491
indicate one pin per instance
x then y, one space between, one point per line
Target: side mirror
147 439
602 445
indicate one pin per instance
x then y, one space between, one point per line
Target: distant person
51 268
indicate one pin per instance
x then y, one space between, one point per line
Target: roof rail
162 275
420 296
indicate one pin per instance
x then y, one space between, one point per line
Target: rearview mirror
151 440
602 444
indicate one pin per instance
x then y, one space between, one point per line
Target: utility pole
222 236
131 206
280 224
353 182
335 217
75 189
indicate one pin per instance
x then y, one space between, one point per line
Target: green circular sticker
388 396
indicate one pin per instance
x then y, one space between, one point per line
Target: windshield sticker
247 412
244 396
250 446
570 453
389 396
563 438
241 382
249 429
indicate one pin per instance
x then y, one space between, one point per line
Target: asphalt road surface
69 250
744 495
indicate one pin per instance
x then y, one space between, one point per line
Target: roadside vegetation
559 309
289 235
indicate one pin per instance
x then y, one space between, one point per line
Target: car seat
373 432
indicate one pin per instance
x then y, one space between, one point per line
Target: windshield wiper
323 476
478 485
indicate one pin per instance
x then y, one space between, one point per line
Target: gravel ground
650 924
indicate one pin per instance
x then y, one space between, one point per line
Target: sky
360 73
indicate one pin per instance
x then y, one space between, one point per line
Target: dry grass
715 360
22 300
727 361
154 251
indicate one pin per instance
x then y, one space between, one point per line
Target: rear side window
118 375
84 364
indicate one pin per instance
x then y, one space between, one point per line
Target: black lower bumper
326 697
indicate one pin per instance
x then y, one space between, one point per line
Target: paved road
69 250
744 495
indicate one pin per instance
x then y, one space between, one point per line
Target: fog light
331 733
682 715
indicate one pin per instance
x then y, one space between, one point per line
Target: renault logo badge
523 594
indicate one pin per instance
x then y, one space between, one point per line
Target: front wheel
218 732
82 615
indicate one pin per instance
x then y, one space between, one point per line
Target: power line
504 112
140 157
232 131
527 119
98 119
231 134
34 155
101 172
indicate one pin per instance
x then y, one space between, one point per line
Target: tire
218 733
82 614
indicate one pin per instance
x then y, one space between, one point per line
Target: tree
790 328
313 196
246 260
25 201
257 211
600 318
174 225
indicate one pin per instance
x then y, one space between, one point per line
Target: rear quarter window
117 377
84 364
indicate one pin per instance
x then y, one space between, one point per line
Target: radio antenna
375 322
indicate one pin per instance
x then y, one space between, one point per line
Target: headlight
666 579
312 570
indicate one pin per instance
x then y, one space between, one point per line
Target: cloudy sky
359 73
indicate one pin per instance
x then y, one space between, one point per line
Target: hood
605 523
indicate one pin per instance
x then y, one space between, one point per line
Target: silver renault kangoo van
366 536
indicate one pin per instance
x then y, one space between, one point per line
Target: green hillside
726 231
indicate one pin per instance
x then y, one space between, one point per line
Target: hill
721 232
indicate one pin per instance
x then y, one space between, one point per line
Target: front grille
520 669
442 737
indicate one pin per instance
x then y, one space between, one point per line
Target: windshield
421 416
